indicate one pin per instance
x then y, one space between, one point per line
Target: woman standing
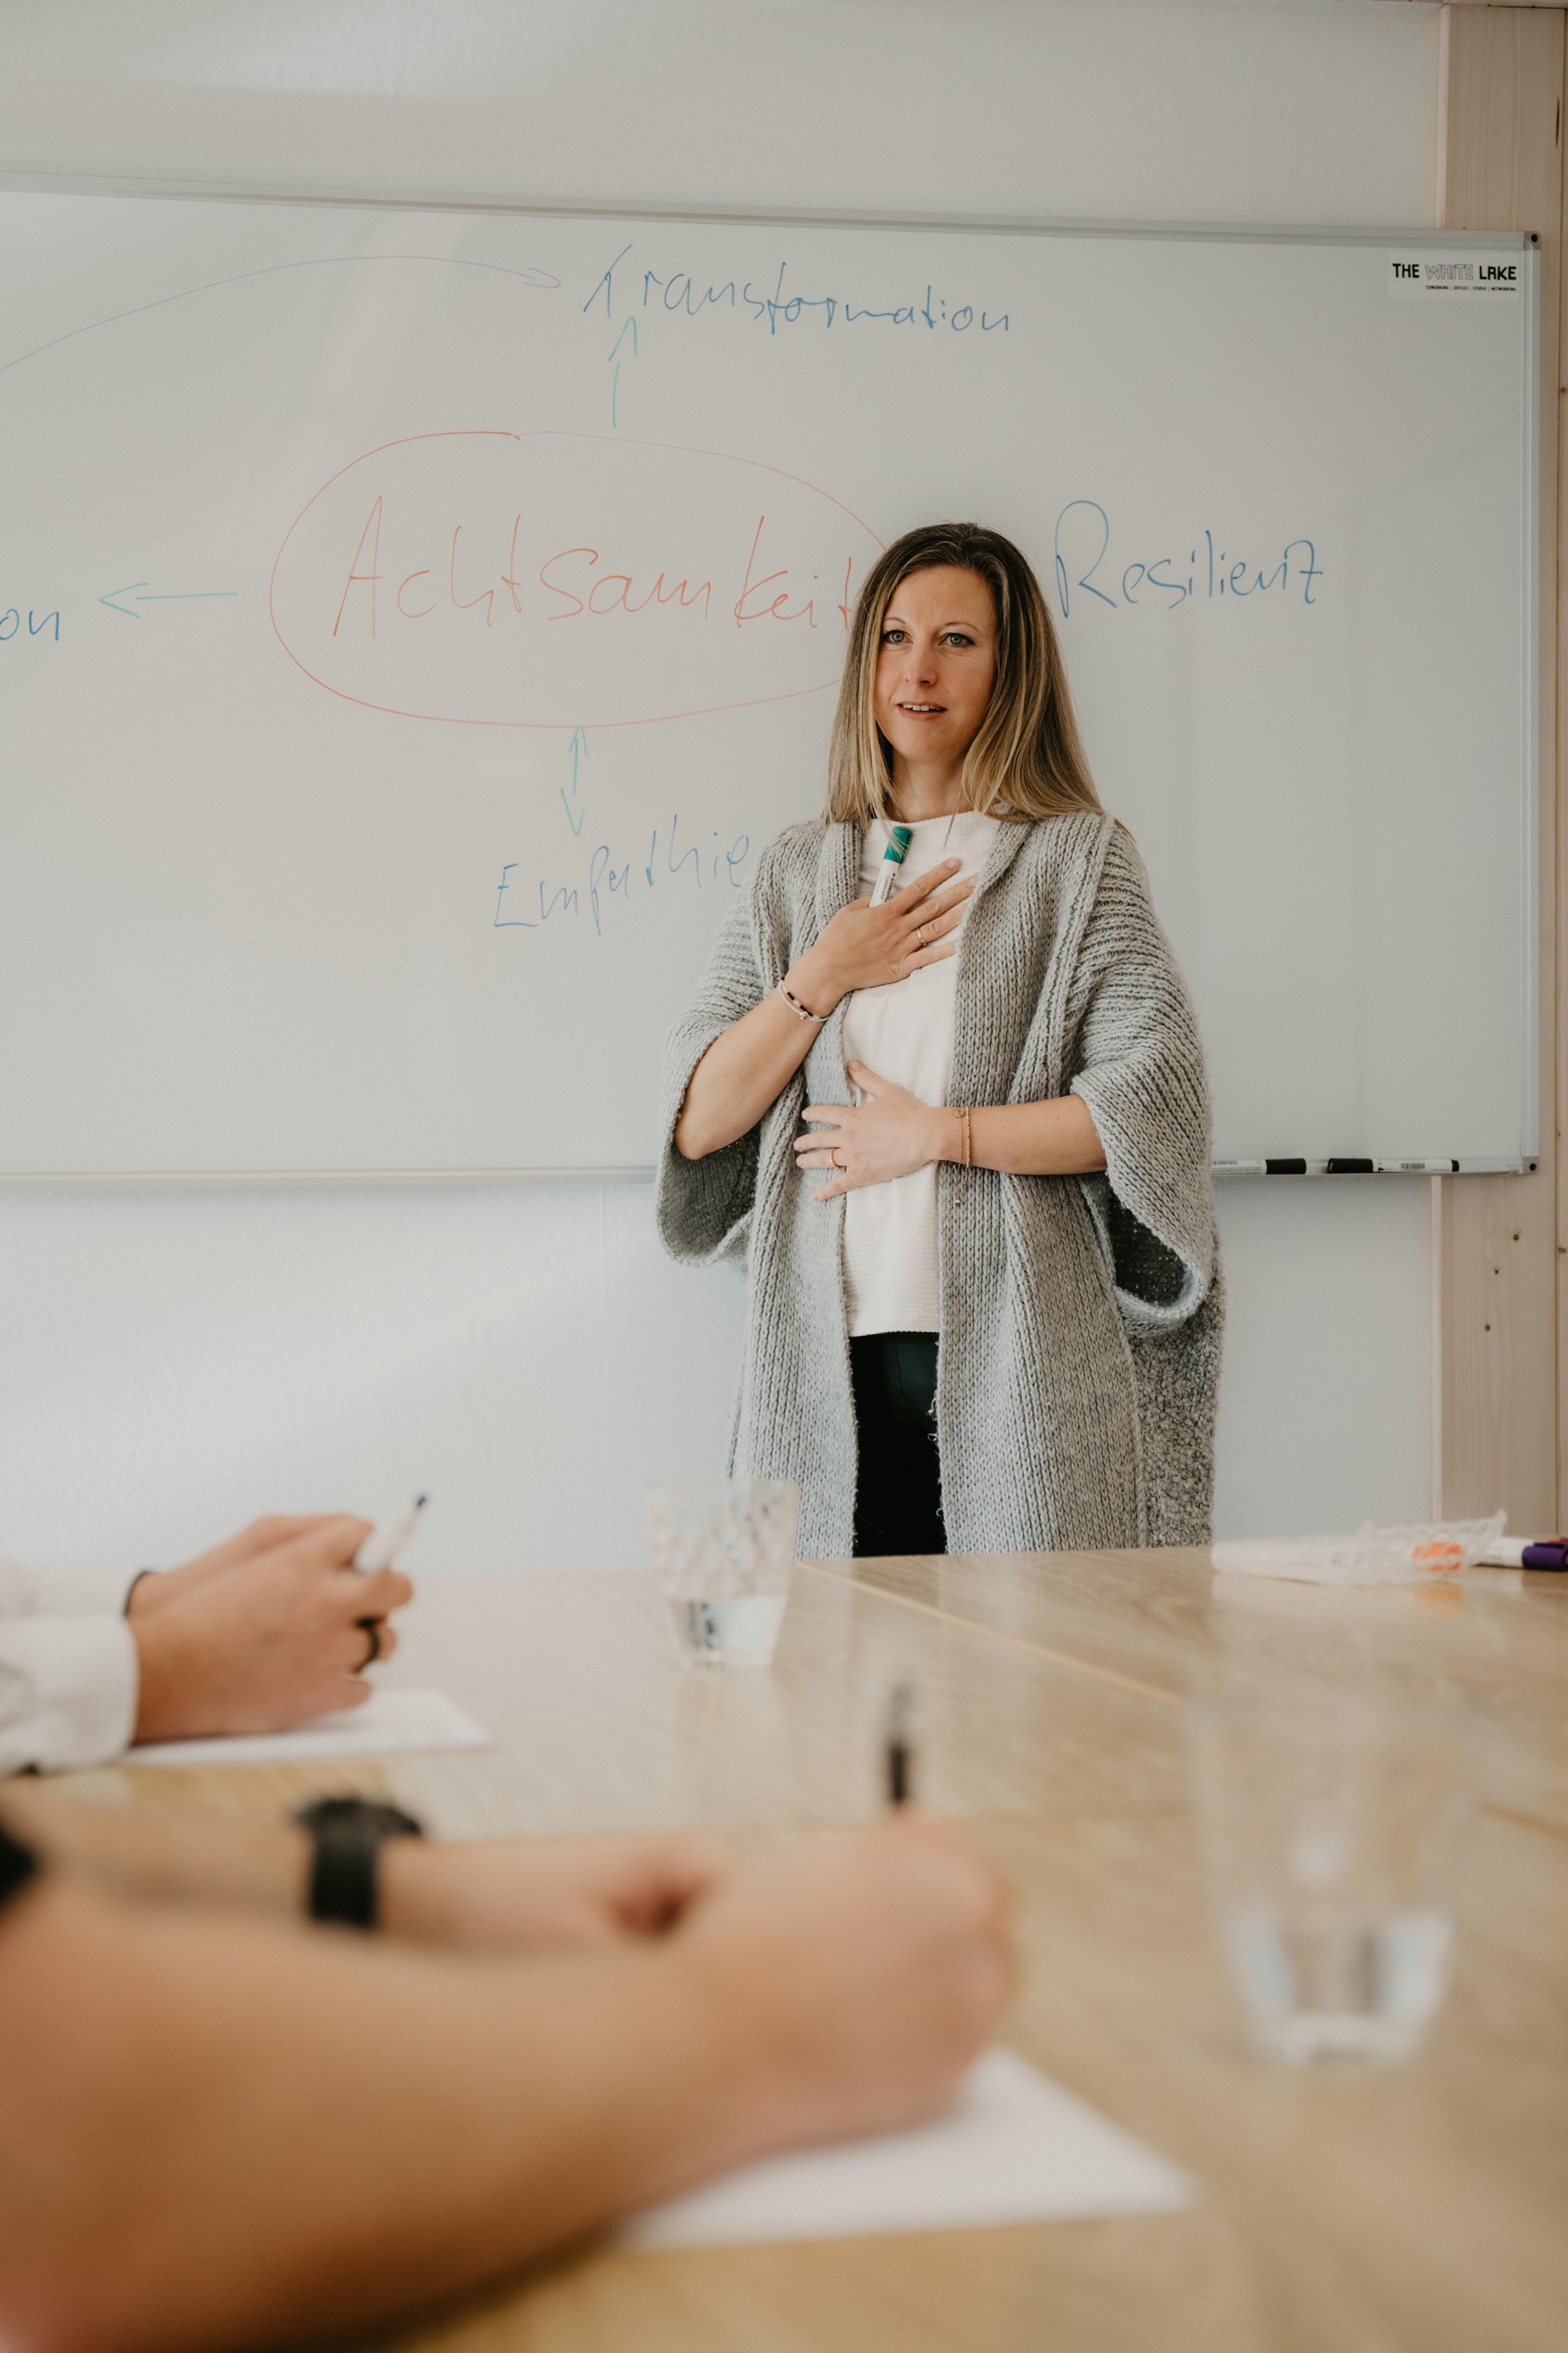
984 1294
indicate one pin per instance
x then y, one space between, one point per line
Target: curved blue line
529 277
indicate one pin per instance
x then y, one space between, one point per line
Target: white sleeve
68 1691
63 1592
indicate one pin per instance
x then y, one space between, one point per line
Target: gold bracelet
968 1141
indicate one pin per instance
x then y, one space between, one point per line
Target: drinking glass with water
724 1548
1333 1832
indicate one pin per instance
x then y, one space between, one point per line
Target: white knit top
904 1032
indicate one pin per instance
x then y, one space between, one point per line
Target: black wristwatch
18 1864
347 1835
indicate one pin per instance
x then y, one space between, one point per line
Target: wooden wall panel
1500 166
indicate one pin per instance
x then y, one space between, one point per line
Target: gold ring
833 1159
920 937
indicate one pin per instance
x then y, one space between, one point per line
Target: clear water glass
1333 1833
725 1548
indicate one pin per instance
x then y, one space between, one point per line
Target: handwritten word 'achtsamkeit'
601 877
490 571
480 576
625 287
1087 573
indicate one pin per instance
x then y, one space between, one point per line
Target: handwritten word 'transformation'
600 877
626 286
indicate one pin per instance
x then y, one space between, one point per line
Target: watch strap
347 1835
18 1864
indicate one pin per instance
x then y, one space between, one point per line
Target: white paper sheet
1016 2149
389 1723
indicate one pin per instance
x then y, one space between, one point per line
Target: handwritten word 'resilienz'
597 878
1208 573
681 295
492 572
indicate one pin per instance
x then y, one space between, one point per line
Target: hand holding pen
379 1551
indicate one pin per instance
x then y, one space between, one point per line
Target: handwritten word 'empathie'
599 878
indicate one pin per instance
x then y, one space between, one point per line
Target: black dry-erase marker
1352 1168
900 1754
1284 1167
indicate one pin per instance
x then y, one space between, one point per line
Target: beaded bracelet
802 1012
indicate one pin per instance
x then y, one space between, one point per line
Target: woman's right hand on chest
869 947
749 1064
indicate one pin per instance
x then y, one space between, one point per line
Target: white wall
172 1361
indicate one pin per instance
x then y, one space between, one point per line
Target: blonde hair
1026 760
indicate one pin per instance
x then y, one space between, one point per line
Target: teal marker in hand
898 839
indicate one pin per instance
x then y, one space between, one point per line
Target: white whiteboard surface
413 623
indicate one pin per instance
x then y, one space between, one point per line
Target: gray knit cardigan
1080 1316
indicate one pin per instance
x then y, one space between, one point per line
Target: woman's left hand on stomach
890 1133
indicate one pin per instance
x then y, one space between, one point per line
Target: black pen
900 1753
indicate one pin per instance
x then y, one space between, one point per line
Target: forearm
169 1858
747 1067
238 2137
508 1897
1039 1139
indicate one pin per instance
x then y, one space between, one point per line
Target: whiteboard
413 623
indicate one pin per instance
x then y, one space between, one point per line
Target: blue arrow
630 328
157 596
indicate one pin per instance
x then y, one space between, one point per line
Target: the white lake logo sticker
1429 275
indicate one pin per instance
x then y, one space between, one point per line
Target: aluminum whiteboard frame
1528 242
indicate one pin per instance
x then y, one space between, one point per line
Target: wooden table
1425 2209
1165 1624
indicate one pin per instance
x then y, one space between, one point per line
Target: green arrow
577 747
139 594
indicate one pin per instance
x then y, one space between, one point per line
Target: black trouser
898 1494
